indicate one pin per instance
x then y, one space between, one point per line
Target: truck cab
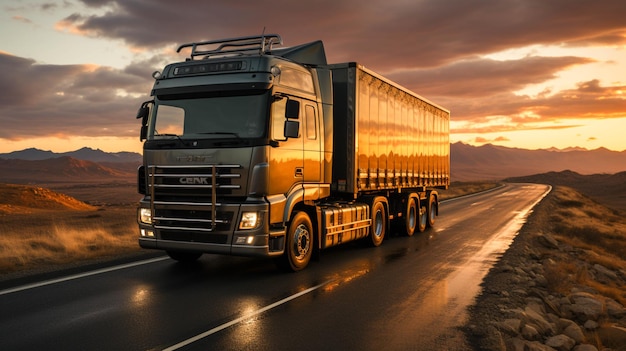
234 139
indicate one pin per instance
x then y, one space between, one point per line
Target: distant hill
86 154
15 199
63 169
490 162
609 189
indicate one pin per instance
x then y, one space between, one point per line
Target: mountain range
468 163
491 162
86 154
65 169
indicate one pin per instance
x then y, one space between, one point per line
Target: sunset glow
527 74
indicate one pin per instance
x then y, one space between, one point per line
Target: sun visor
309 54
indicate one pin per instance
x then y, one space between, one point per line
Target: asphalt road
408 294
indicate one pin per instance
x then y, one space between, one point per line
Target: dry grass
43 238
42 229
596 234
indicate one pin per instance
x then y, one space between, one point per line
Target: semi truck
252 148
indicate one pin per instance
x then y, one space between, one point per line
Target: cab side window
278 119
311 122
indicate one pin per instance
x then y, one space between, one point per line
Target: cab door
286 157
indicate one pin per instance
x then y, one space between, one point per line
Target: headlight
250 220
145 215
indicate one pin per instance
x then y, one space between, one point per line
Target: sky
531 74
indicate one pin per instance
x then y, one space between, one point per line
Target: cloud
430 46
479 77
65 100
483 140
509 112
394 33
22 19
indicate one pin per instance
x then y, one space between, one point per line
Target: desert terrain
45 230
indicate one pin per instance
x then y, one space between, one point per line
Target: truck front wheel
299 246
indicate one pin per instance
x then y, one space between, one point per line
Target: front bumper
183 227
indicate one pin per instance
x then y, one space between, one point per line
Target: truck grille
184 200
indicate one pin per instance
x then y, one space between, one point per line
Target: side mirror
292 129
143 111
144 114
292 110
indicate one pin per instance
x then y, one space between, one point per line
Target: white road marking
80 275
243 318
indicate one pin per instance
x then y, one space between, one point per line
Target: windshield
210 116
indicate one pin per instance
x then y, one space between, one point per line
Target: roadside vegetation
598 236
42 230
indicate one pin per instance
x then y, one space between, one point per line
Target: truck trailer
255 149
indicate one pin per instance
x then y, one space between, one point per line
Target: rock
613 336
615 309
515 344
506 268
604 272
530 333
563 323
585 347
561 342
575 332
520 292
548 241
541 280
591 325
538 321
536 304
586 306
510 326
537 346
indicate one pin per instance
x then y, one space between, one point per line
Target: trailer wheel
432 210
299 246
410 217
423 217
183 256
379 224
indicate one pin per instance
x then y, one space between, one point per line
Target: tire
378 228
432 210
411 217
423 218
184 257
299 245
